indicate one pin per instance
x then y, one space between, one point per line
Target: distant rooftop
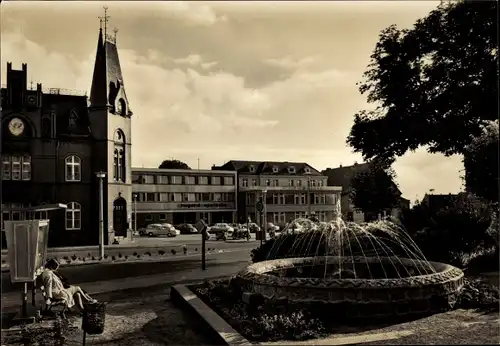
56 91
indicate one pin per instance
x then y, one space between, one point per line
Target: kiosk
27 252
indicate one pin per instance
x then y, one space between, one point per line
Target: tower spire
104 20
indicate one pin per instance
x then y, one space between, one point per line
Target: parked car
253 227
221 231
142 231
174 232
158 230
187 228
271 227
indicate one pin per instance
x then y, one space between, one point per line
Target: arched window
73 216
119 167
73 168
122 107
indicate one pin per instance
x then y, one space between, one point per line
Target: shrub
477 293
74 257
126 257
106 256
134 254
195 249
119 255
138 256
113 258
84 259
89 255
93 258
65 258
161 252
173 252
148 253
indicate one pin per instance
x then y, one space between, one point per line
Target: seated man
56 289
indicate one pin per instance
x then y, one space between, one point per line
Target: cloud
291 63
195 60
193 13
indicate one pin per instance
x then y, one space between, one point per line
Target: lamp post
101 175
134 197
264 216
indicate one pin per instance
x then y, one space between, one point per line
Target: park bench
47 308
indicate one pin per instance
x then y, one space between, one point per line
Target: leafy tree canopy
481 163
174 164
374 190
433 85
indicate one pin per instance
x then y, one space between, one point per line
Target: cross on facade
105 19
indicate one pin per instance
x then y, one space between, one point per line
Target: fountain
373 270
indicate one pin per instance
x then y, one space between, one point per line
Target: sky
217 81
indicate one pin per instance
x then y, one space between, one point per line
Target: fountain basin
355 297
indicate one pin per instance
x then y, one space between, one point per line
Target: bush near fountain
336 274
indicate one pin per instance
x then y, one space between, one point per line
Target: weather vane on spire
105 20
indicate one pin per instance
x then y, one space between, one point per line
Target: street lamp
264 216
101 175
134 197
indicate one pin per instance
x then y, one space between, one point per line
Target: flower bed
285 320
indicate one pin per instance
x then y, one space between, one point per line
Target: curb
146 259
218 329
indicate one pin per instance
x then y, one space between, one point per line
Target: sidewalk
12 299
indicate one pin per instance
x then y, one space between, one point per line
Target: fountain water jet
368 270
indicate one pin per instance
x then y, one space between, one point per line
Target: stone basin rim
258 272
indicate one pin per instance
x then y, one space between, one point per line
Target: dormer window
275 169
291 170
307 170
251 168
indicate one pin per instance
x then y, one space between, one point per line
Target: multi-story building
53 143
181 195
342 176
290 190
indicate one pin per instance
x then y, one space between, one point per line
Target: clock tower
110 119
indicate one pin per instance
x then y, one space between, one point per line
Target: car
187 228
221 231
253 227
271 227
174 232
156 230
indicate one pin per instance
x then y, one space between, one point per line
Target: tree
481 163
374 189
174 164
433 85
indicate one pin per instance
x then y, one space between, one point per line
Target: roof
342 176
268 167
142 170
438 202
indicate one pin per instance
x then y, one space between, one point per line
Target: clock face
16 126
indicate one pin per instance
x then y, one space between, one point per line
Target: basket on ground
93 319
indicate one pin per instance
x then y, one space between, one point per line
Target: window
312 183
291 183
215 180
177 197
291 170
217 197
136 179
302 198
322 199
300 215
249 198
299 183
228 180
279 218
150 197
175 180
322 216
73 216
119 164
276 182
148 179
203 180
205 197
162 217
307 170
320 182
316 199
149 217
162 179
268 182
281 198
189 197
244 183
251 168
275 198
6 167
275 169
16 167
296 199
26 174
190 180
254 182
163 197
73 166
